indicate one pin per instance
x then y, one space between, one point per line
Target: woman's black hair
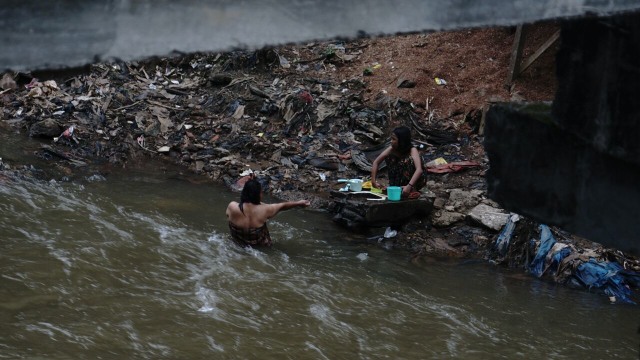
250 193
403 134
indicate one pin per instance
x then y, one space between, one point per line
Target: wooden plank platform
363 209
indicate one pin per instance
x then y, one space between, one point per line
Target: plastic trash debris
557 253
283 62
368 71
502 242
140 140
247 172
7 82
96 178
436 162
440 81
32 84
389 233
451 167
546 242
607 276
305 96
586 271
67 134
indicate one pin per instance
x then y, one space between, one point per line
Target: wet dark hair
250 193
403 134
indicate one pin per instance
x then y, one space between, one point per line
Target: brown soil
474 63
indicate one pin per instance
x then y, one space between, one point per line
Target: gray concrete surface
36 34
558 179
576 163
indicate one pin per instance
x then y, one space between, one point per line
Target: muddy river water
139 265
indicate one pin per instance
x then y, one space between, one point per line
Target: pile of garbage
217 114
569 262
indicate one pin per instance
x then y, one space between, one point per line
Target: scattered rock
48 128
493 218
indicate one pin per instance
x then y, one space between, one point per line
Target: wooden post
540 50
516 54
483 119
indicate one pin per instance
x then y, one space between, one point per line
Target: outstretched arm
376 164
274 209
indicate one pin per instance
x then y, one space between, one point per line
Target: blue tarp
557 257
502 242
609 276
546 243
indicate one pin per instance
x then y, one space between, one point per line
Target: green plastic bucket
393 193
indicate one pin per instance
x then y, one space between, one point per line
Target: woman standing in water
403 161
248 218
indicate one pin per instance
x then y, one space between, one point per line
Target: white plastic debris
67 133
363 256
389 233
246 172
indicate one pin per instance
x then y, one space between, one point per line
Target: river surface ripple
140 265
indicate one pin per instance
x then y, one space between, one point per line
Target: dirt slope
474 63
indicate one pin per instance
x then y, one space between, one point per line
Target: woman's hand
407 189
304 203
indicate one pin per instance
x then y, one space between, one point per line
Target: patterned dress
401 171
250 237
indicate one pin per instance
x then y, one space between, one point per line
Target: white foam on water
213 345
209 299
